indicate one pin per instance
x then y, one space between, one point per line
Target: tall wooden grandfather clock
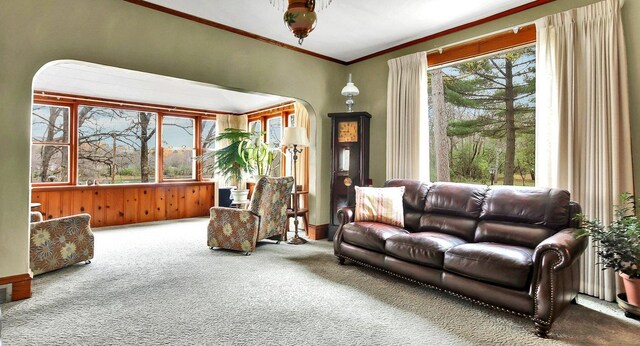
349 160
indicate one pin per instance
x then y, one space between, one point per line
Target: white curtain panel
302 164
582 118
407 118
223 122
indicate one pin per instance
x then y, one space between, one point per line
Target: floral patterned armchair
61 242
238 229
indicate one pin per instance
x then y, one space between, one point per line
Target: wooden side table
302 212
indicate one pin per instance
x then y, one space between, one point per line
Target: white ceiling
86 79
348 29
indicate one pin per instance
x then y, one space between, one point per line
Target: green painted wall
371 75
117 33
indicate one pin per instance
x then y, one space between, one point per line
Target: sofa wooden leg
341 260
542 330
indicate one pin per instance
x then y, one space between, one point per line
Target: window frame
196 145
481 47
201 150
74 102
72 151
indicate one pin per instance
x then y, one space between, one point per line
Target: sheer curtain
582 132
407 122
225 121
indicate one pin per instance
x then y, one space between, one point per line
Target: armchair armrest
565 244
35 216
69 237
230 212
234 229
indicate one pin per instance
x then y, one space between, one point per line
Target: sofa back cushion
518 234
529 205
415 193
456 199
453 208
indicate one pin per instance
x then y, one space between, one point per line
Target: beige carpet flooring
158 283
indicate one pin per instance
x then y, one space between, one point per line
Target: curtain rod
515 30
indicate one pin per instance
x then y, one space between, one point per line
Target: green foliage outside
489 106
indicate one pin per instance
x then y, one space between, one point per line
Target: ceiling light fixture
300 16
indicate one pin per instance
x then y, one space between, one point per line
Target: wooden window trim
497 42
73 149
196 135
75 101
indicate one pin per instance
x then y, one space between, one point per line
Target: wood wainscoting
111 205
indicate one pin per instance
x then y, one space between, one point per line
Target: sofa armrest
345 215
566 246
556 276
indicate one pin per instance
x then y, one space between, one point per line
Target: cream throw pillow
380 204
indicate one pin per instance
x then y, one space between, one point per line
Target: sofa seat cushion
425 248
369 235
505 265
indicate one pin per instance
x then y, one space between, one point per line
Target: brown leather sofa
507 247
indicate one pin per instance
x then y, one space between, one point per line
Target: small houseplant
618 244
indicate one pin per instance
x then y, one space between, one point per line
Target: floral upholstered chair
61 242
238 229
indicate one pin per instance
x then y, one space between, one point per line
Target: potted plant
245 154
618 244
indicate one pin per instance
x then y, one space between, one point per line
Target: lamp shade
295 136
350 89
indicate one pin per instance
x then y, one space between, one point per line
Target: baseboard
318 231
20 285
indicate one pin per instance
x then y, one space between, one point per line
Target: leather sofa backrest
514 215
415 193
522 216
455 199
536 206
453 208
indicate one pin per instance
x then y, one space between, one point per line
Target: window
274 138
274 131
115 146
207 140
178 148
255 127
50 144
482 119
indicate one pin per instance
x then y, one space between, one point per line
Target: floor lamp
295 137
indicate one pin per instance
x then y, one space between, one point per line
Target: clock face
348 131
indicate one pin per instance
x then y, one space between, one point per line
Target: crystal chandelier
300 16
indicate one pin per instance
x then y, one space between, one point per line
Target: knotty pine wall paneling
111 205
